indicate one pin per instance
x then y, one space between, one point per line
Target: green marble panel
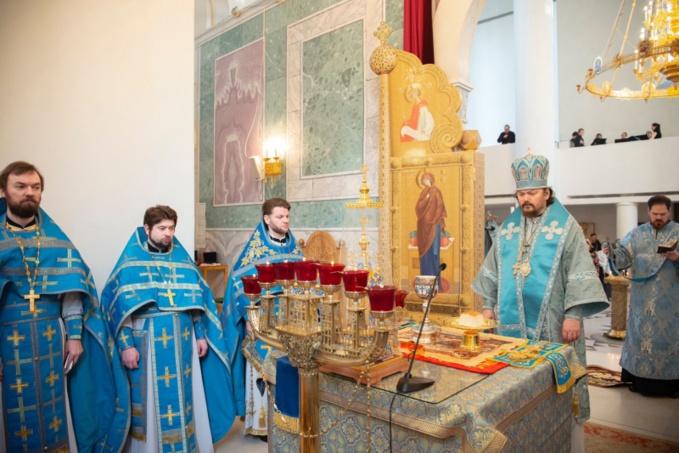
274 108
292 11
307 214
233 216
394 18
329 214
276 46
205 181
277 188
333 107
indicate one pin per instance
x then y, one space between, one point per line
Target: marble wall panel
333 101
276 48
394 18
294 92
288 26
274 108
298 190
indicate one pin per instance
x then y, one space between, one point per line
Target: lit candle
266 273
355 281
381 298
251 284
331 274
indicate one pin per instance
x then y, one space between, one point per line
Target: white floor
616 406
236 442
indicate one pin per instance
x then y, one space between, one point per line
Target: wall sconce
271 165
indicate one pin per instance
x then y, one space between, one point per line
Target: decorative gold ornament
655 58
31 297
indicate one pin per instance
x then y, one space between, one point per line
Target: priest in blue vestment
63 388
271 242
650 356
538 279
165 322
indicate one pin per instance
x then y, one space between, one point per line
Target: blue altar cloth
512 410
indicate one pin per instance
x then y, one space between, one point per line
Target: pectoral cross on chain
31 297
169 295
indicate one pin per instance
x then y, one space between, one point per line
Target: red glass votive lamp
251 284
355 281
331 274
401 298
266 273
381 298
284 270
306 271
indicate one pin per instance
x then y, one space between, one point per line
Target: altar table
513 410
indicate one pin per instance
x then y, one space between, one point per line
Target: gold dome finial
383 59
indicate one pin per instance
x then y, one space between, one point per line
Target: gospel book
667 247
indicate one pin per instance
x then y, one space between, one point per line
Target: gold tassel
262 416
576 404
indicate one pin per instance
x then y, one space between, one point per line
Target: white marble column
535 57
627 218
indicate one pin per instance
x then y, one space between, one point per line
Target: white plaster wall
622 172
491 104
99 96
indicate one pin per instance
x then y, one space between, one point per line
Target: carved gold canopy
421 133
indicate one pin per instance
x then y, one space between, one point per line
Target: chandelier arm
609 43
629 22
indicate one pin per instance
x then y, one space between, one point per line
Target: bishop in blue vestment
538 279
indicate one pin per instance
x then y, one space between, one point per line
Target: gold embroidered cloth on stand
448 350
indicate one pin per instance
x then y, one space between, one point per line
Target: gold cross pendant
516 268
31 297
169 295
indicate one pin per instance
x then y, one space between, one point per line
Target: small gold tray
488 324
470 340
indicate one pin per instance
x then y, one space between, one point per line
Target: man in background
506 136
649 356
271 242
596 244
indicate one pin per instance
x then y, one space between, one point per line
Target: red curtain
418 34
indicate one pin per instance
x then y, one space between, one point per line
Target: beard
278 231
532 212
660 224
160 246
25 208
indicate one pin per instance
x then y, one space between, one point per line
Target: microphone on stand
408 383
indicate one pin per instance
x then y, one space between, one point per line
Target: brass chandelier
655 57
